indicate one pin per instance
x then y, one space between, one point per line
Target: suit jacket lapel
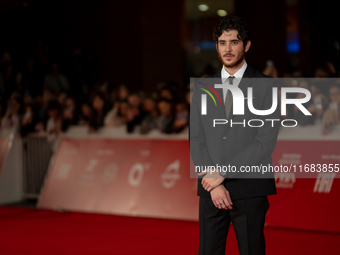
244 84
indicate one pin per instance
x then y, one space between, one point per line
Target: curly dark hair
232 23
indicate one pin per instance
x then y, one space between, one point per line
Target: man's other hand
220 197
211 180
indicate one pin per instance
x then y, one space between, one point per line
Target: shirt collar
238 74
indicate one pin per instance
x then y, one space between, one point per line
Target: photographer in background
270 69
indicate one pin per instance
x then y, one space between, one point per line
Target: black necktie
229 99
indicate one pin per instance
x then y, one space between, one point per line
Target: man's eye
222 43
234 43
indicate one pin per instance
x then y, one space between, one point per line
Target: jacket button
224 137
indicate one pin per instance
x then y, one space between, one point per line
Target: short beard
237 62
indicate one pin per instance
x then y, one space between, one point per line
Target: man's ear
247 46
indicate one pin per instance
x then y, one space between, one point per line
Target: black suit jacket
237 145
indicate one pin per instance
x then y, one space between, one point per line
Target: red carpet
29 231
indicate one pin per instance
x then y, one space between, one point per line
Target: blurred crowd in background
46 96
325 95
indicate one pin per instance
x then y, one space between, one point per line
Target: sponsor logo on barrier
171 174
333 156
70 151
91 165
136 173
145 153
284 180
109 173
288 159
105 152
64 171
324 182
87 178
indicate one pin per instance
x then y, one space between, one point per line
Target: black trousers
247 217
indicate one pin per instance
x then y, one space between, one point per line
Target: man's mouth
228 56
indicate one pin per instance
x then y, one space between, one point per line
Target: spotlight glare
203 7
222 13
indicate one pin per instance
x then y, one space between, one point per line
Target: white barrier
11 170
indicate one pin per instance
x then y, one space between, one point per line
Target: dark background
141 43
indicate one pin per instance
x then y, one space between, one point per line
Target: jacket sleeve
197 139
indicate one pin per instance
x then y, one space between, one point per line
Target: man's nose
228 47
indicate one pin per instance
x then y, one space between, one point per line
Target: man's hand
220 197
212 180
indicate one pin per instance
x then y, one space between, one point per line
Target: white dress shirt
236 81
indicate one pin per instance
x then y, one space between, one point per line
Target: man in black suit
233 196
